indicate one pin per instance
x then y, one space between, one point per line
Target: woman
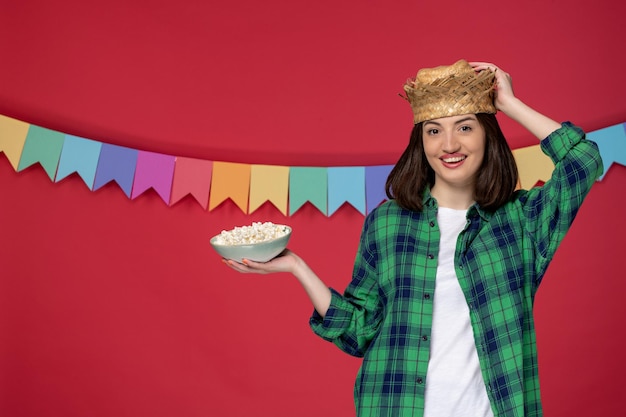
440 302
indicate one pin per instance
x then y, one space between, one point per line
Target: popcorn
256 233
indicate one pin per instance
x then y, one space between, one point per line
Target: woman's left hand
506 102
287 261
504 84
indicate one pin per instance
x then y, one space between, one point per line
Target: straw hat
450 91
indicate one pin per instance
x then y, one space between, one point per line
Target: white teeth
455 159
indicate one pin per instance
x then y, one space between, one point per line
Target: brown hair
496 181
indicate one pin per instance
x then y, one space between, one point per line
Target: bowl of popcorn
259 242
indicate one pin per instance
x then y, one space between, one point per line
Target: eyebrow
465 119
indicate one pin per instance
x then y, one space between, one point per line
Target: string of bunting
248 185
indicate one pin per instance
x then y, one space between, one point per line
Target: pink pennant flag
155 171
192 176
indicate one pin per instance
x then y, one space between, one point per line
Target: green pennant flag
308 184
43 146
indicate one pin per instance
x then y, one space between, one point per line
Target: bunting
248 186
230 180
308 184
533 165
154 171
192 177
12 137
346 185
612 144
42 146
116 163
375 181
81 156
269 183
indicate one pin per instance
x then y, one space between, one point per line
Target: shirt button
460 266
419 381
424 338
432 224
431 256
426 296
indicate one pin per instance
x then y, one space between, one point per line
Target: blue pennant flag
81 156
612 144
346 184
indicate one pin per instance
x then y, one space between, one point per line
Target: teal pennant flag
308 184
612 144
346 185
44 146
81 156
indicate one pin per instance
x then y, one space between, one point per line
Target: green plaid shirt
385 314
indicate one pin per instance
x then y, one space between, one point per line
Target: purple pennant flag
375 179
154 170
116 163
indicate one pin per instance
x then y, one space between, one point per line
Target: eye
432 131
466 128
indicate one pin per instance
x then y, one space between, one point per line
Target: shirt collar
430 203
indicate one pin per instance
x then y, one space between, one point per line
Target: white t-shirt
454 384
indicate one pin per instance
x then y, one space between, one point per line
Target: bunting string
249 186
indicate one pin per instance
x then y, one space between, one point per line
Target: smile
453 159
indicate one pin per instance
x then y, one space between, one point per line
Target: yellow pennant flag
533 165
230 180
12 138
269 183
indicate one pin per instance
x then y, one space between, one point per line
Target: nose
450 142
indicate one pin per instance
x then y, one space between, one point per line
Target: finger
251 264
480 66
236 265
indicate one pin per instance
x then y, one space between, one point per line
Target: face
455 148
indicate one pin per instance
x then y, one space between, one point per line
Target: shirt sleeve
550 210
353 318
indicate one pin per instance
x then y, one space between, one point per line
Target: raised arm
536 123
549 210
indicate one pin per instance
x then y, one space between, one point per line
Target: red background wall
118 307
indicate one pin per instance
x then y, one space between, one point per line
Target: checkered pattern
385 314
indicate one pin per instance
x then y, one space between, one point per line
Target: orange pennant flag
269 183
192 176
12 138
230 180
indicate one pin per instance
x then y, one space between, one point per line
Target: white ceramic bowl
258 252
